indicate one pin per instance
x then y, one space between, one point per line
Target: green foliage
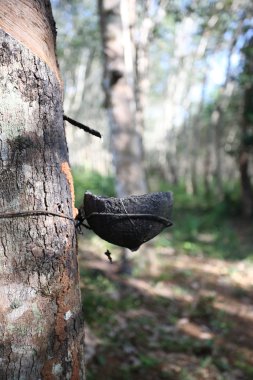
148 361
93 181
101 298
135 328
185 344
208 232
247 138
207 225
246 368
229 204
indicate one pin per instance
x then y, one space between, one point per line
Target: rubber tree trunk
246 130
117 21
41 329
142 39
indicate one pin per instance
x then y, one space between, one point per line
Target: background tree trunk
41 329
246 130
117 20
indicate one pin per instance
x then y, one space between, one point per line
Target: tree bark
246 129
141 40
246 186
41 328
116 20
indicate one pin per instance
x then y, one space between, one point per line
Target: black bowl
131 221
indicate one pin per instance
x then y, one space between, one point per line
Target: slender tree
246 129
41 330
117 21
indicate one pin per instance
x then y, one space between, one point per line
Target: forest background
186 311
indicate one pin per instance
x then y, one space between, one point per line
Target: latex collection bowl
130 221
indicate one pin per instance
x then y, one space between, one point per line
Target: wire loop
19 214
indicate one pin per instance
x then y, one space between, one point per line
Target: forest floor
182 315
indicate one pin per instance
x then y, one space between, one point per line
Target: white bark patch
20 109
17 313
5 303
14 295
67 315
36 311
57 369
34 280
24 350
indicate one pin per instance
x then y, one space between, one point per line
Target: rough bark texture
126 143
41 329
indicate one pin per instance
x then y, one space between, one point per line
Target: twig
108 254
85 128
